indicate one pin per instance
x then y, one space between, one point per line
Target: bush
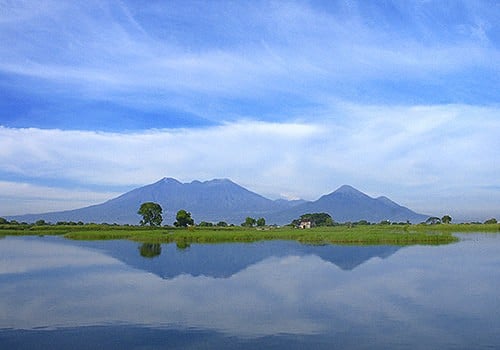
205 224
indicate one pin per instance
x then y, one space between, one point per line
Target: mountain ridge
224 200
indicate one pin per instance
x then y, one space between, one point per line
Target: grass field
369 234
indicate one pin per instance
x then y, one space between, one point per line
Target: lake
62 294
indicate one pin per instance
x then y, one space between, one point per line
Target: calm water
61 294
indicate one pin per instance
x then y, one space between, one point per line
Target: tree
151 214
3 221
318 219
205 224
433 220
249 222
222 224
446 219
183 219
261 222
491 221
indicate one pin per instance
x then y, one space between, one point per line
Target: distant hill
348 204
223 200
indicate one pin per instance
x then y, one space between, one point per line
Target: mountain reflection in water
224 260
56 293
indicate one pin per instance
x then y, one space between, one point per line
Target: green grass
357 235
459 228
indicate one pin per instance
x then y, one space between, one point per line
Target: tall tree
249 222
151 214
261 222
183 219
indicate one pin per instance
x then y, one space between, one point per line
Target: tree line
152 215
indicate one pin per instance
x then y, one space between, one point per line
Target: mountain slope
214 200
349 204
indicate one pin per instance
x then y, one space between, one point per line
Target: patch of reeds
341 234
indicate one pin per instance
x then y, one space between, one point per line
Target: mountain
290 203
349 204
212 201
223 200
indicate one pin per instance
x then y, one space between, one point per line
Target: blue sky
287 98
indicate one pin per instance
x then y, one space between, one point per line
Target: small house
306 223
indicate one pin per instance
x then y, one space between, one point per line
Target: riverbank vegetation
397 234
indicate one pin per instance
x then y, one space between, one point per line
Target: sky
290 99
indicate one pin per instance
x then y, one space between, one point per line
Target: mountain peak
218 182
169 180
347 189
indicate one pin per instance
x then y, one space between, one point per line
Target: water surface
58 294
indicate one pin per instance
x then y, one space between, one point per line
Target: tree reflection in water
150 250
182 244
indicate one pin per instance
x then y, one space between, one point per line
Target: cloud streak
294 49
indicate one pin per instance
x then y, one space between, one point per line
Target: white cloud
407 153
29 198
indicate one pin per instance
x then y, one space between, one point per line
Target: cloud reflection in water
431 293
